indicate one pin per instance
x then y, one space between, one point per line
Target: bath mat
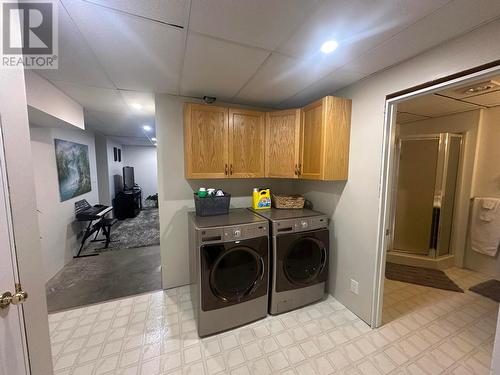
421 276
490 289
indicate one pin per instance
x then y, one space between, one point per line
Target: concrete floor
110 275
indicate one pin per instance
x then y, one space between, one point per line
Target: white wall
486 182
176 193
143 159
58 229
44 98
115 170
101 155
354 206
466 123
18 158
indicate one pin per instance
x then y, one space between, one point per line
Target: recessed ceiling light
147 127
136 106
153 139
329 46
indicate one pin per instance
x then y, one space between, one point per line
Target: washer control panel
300 225
233 233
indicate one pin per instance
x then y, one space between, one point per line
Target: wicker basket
288 201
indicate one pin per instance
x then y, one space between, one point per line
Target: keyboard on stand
85 212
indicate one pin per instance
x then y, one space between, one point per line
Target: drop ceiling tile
259 23
461 16
94 98
217 68
77 62
326 86
142 103
169 11
491 99
460 92
133 141
404 117
434 105
118 124
357 25
278 79
137 54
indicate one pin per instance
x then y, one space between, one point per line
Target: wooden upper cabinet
206 134
308 143
282 143
246 143
325 133
311 141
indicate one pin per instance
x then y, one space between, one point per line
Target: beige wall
176 193
486 181
466 123
58 229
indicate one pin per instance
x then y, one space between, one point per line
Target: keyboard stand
91 229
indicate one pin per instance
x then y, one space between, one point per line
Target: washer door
301 259
236 273
305 260
233 272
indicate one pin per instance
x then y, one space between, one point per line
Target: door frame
388 170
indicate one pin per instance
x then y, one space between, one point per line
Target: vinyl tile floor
428 331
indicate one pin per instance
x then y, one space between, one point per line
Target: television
128 178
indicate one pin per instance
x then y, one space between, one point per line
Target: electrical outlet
354 286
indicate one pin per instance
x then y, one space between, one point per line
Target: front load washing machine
229 268
299 257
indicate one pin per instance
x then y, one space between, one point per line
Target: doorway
436 167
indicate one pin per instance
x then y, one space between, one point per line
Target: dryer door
302 259
234 272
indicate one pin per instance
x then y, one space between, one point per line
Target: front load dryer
299 261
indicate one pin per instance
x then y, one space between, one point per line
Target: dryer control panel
233 233
300 224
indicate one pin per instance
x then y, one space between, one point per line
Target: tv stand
128 203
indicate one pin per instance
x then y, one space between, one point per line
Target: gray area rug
114 274
140 231
421 276
489 289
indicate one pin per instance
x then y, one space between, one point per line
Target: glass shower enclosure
428 168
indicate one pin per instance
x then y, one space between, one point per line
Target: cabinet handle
300 169
296 172
225 169
231 169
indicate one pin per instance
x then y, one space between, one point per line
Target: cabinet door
311 153
205 141
246 143
282 143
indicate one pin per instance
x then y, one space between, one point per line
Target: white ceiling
114 53
449 101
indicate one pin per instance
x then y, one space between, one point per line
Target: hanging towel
488 208
485 226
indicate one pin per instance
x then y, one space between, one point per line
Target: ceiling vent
479 88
